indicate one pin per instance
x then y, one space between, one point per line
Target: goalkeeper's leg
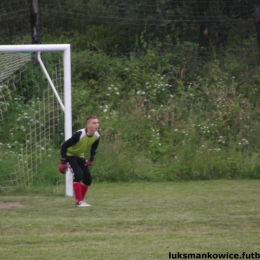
86 182
77 177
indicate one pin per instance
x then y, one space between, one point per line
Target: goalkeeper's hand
90 161
63 165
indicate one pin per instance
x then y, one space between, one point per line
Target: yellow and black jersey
79 143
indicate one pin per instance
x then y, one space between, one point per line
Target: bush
164 119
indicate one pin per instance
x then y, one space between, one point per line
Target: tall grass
169 121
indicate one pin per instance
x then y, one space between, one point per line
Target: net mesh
10 63
31 120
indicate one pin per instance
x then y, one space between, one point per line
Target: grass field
133 221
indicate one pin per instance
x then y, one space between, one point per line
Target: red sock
77 191
84 190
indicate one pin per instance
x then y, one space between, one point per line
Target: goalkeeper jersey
79 143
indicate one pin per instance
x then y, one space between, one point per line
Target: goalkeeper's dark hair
90 117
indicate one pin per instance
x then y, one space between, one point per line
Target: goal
35 113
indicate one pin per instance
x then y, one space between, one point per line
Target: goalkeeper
72 156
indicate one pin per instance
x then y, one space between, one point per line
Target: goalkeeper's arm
63 161
71 141
93 152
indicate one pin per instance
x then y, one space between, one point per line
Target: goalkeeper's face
92 125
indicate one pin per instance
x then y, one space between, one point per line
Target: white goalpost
18 56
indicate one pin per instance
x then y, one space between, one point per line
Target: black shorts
80 172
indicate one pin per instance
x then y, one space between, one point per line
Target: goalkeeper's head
92 124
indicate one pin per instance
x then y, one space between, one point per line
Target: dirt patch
7 205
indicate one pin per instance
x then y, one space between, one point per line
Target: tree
257 20
35 22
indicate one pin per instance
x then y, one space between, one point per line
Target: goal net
33 112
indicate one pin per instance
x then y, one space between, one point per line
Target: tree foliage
173 83
115 25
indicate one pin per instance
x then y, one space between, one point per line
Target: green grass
134 221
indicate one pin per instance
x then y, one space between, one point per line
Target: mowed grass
134 221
